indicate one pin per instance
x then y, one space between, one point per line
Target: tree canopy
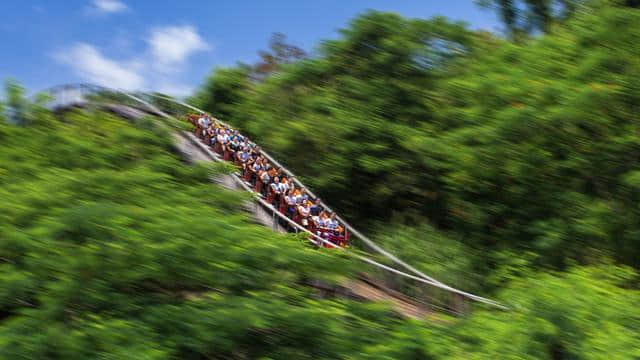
507 168
113 248
528 146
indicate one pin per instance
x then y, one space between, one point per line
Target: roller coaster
135 105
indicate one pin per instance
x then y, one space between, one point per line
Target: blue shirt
332 224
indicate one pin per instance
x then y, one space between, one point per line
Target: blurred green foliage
524 17
527 16
111 248
581 314
225 93
527 147
502 168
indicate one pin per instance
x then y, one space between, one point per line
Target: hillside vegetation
112 248
505 167
524 148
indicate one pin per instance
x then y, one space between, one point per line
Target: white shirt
304 211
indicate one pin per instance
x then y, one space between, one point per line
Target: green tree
527 16
531 16
111 247
15 101
280 53
587 313
583 314
223 91
510 146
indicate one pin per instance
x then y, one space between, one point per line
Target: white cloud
171 45
156 68
89 63
109 6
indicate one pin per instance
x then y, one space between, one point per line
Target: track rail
421 277
347 226
313 238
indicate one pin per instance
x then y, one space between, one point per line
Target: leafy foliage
111 247
482 162
524 17
511 146
582 314
223 94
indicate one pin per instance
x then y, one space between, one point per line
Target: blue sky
171 46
